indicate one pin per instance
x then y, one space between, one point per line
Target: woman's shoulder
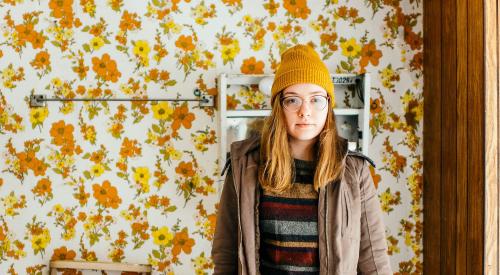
242 147
358 158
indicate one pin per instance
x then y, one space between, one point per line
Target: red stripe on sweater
279 210
295 258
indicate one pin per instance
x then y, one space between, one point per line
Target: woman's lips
304 125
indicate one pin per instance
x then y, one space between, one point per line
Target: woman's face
305 106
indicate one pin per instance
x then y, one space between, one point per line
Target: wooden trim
462 110
492 228
100 266
449 142
432 139
475 139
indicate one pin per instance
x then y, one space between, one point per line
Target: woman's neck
302 149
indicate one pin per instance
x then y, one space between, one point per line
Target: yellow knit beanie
301 64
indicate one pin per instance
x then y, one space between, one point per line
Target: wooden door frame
460 138
492 78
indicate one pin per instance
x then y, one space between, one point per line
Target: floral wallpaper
137 181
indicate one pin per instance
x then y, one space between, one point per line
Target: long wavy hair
276 161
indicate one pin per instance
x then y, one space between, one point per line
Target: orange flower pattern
106 195
100 181
105 68
252 66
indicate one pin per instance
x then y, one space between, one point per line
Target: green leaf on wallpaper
55 43
121 48
106 40
156 253
93 238
86 156
359 20
86 47
87 174
171 208
57 170
120 174
105 230
138 244
344 65
171 82
156 129
86 29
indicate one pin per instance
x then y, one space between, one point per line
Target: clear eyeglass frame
294 103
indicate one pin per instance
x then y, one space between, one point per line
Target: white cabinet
352 109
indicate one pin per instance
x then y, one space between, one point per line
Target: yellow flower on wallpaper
387 72
230 51
173 153
171 26
350 48
142 174
162 236
38 115
141 50
162 110
69 234
40 241
90 134
96 43
8 72
58 208
56 81
97 170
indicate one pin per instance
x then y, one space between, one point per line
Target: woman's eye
292 101
317 99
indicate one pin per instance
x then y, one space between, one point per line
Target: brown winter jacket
350 227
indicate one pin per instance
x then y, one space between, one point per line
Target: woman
295 200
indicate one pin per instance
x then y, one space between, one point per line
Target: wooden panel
492 143
449 136
462 109
432 137
475 138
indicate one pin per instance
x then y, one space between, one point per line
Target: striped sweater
289 226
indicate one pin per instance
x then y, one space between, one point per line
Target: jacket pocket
346 211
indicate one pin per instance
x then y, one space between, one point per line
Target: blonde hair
276 161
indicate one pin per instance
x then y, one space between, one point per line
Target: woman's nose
305 109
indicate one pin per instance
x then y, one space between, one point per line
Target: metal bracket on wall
38 100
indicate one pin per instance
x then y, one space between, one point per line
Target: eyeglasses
293 103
